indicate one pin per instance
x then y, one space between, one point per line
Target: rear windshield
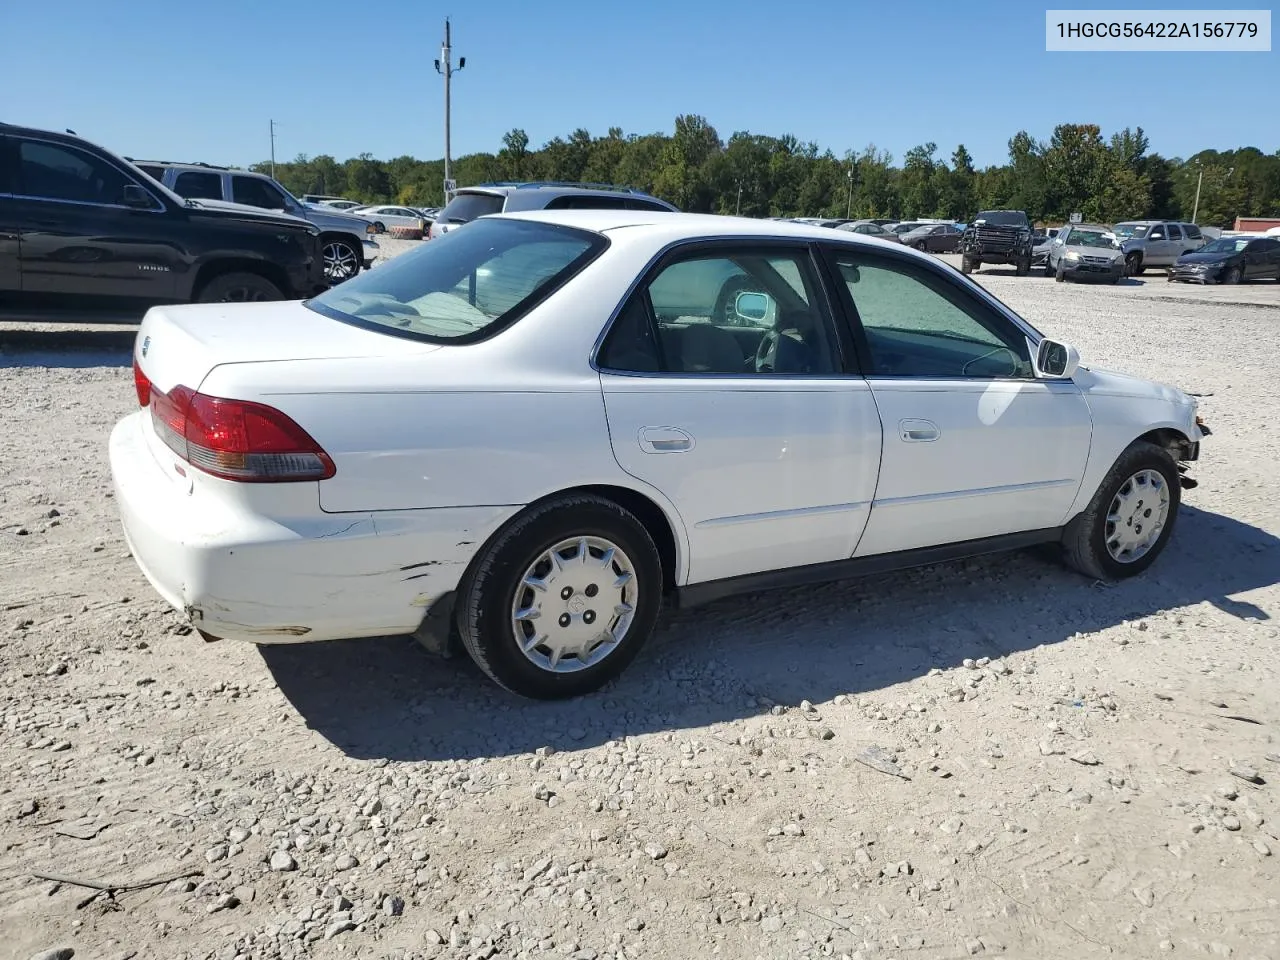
465 207
465 285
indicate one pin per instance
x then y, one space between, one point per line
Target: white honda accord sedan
525 435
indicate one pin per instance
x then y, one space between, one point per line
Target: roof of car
689 226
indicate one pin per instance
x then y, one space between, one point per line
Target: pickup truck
84 231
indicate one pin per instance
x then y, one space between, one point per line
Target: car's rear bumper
208 549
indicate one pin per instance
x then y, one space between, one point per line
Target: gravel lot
1062 769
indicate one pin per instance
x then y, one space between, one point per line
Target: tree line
1077 170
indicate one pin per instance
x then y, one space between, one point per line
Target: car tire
966 265
1060 275
1048 268
1023 267
922 246
579 529
1232 275
341 258
379 227
1142 472
238 288
1133 264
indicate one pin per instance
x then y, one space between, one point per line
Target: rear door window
1193 232
198 185
465 207
637 204
587 202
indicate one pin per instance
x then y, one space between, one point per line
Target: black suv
997 236
82 229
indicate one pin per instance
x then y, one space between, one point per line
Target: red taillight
141 384
236 439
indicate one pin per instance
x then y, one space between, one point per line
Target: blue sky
194 81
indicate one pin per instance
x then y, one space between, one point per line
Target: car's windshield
1225 245
465 282
1127 230
465 207
1090 238
906 227
1003 218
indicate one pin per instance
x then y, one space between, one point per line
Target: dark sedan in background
933 237
1230 260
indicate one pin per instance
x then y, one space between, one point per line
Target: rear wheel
239 288
1130 518
563 598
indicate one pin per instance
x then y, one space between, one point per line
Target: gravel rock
346 862
57 953
1246 773
282 861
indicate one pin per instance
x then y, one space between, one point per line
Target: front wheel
1061 274
341 259
1133 264
1130 518
966 264
922 246
563 598
1023 267
1233 275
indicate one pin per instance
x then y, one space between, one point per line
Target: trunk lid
181 344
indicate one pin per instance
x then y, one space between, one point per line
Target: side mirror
1056 361
752 306
135 196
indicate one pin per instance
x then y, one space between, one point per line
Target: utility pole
848 210
273 149
444 67
737 207
1200 180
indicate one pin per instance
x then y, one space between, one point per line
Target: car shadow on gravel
66 349
387 698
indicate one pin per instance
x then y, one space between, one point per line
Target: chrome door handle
665 440
918 431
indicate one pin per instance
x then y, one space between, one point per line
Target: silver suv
483 199
347 241
1155 243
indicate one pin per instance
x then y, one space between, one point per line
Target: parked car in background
392 216
511 434
906 226
338 203
470 203
347 241
1040 246
1155 243
997 236
869 228
1230 260
932 237
1083 251
85 230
